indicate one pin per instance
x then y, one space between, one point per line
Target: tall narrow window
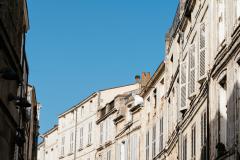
147 145
134 147
155 97
106 130
90 133
202 51
81 138
62 146
183 81
184 153
222 116
221 21
109 155
193 142
71 142
154 141
82 111
101 133
238 9
161 135
191 74
203 129
123 151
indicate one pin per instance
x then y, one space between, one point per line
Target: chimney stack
145 78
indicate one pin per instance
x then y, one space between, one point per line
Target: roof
77 105
88 98
55 127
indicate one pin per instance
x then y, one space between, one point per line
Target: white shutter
238 9
191 75
183 80
202 51
126 150
221 21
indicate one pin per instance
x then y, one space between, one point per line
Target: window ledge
61 157
88 145
69 154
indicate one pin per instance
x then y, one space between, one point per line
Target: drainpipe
75 143
208 121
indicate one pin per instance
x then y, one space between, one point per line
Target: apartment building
153 117
77 127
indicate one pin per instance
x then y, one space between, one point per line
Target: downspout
208 121
75 143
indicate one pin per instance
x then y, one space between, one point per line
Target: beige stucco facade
188 109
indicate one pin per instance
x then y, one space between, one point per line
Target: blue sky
76 47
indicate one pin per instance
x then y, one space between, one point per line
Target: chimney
138 79
145 78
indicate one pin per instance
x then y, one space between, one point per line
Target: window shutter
126 150
191 78
202 51
221 21
183 81
238 9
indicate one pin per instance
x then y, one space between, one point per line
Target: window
193 142
134 147
203 128
191 74
107 128
154 141
109 155
101 133
62 146
202 50
155 97
221 21
147 145
123 150
82 111
90 133
183 85
81 138
184 156
222 107
161 135
71 142
238 9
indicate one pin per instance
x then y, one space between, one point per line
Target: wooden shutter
126 150
183 82
238 9
191 74
202 51
221 21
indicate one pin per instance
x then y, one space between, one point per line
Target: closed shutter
221 21
183 85
126 150
202 51
191 74
238 9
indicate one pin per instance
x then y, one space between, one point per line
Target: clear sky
76 47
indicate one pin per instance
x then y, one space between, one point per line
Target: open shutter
183 81
202 51
191 75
